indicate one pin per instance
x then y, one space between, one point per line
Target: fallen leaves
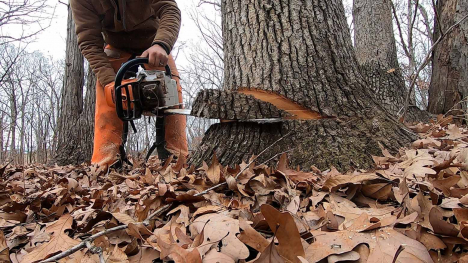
383 245
440 226
270 255
412 208
59 242
4 250
220 229
251 237
285 229
341 180
214 171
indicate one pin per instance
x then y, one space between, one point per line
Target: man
147 28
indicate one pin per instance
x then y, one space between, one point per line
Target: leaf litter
413 207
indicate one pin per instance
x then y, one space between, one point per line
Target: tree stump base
345 144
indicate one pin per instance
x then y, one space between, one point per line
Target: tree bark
376 52
300 51
87 118
1 139
75 131
13 121
449 84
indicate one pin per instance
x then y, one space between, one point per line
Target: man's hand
157 56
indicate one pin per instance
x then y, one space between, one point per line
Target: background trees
76 116
376 52
449 85
29 102
22 20
33 92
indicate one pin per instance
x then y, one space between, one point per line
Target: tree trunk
298 56
13 121
21 155
1 139
376 52
87 118
75 131
449 83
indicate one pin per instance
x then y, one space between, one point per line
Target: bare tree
376 51
293 57
2 129
75 127
205 63
25 19
26 105
414 22
449 85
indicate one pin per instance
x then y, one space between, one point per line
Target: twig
83 244
158 212
265 162
405 48
245 168
96 250
426 61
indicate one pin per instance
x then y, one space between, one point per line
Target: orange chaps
108 128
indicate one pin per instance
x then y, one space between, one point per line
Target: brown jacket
130 25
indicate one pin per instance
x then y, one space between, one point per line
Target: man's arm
90 40
168 31
169 23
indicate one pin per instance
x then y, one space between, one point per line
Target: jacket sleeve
169 22
90 39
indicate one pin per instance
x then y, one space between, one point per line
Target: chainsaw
149 94
152 93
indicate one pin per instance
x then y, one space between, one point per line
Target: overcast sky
52 40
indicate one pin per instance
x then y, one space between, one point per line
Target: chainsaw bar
187 112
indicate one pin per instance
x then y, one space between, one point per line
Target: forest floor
412 208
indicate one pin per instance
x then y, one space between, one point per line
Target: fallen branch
83 244
96 250
87 241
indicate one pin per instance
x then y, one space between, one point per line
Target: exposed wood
296 111
216 104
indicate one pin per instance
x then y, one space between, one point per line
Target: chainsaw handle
133 109
128 65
